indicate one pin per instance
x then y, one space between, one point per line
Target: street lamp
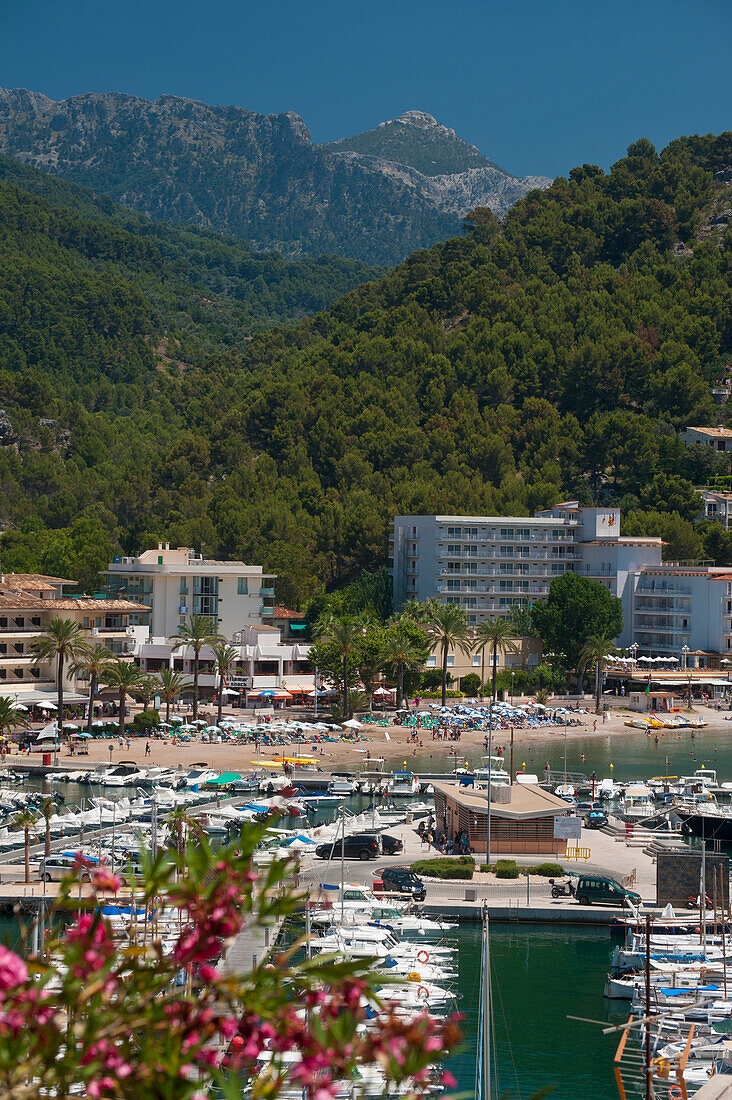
512 676
686 651
633 649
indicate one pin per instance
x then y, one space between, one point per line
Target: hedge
460 867
504 868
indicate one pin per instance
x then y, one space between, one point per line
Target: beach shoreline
390 743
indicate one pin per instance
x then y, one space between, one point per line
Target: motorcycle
562 889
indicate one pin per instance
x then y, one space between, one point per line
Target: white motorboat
638 803
403 785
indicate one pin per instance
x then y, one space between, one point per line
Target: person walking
147 748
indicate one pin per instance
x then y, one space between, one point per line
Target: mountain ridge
257 177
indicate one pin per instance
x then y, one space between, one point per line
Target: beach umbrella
177 718
47 706
352 724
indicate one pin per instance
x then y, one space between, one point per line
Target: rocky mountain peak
422 121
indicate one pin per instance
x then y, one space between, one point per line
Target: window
523 551
470 601
450 661
453 548
453 584
431 662
476 660
205 596
183 590
507 532
471 551
471 567
452 599
470 533
454 532
523 533
506 551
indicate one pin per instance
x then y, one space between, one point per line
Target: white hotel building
491 565
239 599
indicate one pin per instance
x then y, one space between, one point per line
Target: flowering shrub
149 1011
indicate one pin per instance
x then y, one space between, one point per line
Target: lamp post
512 677
686 651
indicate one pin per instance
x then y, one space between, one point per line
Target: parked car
400 880
596 819
601 890
391 844
54 868
582 808
357 846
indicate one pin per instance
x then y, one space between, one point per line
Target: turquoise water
540 975
633 755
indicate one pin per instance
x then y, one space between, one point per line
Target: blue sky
537 85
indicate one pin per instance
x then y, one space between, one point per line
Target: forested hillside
556 354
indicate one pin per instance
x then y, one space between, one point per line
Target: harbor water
541 974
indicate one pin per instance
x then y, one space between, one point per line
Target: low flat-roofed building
522 818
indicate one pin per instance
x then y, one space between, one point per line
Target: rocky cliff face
255 176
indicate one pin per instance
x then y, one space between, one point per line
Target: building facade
683 611
522 818
176 583
716 506
239 599
719 439
28 601
492 565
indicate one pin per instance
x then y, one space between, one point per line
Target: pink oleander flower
13 971
103 879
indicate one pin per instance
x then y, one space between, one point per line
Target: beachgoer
147 748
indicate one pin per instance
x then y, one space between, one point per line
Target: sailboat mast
486 1007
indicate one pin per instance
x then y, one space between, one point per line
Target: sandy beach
395 749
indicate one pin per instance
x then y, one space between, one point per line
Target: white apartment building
239 598
176 583
491 565
28 601
683 611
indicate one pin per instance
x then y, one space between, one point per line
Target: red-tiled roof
284 613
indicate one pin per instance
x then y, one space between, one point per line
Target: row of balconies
646 604
663 591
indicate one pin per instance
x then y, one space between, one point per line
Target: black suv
400 880
358 846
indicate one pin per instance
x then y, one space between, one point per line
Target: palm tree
447 627
145 690
11 717
62 640
225 656
594 651
47 810
124 677
93 661
400 652
26 820
197 632
344 632
170 685
500 636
